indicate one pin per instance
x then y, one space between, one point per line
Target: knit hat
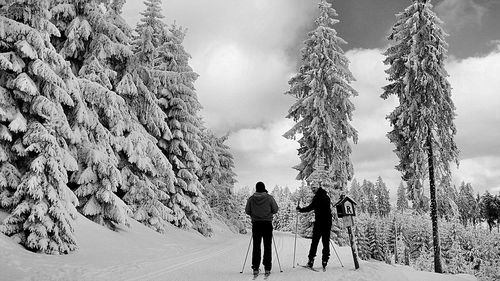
260 187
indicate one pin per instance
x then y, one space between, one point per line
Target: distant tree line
471 209
470 242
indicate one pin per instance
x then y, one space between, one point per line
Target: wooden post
346 211
354 249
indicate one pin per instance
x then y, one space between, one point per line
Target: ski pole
276 251
296 226
246 256
331 243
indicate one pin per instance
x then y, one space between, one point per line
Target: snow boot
310 263
267 273
255 272
323 264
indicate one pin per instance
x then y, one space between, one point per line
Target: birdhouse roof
344 199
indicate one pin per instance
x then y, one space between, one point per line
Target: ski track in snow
186 260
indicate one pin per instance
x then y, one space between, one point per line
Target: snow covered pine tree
38 94
177 100
322 109
423 127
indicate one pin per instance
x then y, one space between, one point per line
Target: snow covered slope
138 253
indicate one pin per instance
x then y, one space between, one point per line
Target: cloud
240 49
476 95
457 14
263 154
482 172
372 156
241 87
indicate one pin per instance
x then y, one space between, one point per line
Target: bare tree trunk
395 243
434 218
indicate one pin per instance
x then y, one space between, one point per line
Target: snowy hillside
139 253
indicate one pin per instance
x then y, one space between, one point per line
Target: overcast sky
245 51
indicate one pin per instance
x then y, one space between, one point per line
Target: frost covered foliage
422 123
306 220
371 198
286 217
373 237
468 250
122 169
402 201
92 116
171 105
89 41
322 108
40 102
148 186
425 114
218 179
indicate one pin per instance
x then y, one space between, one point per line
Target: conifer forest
102 119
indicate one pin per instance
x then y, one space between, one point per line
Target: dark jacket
261 207
321 206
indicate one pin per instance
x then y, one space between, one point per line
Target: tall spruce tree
423 127
382 194
218 178
370 202
306 220
170 79
180 103
402 200
40 101
322 109
147 194
477 210
152 17
355 192
446 197
98 176
488 209
466 203
211 167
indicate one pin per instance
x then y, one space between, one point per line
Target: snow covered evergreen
218 179
175 99
93 116
355 192
98 177
40 102
370 201
306 220
423 127
322 108
382 195
402 199
466 203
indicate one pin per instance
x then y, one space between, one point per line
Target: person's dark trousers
262 230
320 230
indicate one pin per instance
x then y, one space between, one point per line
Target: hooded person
261 207
322 224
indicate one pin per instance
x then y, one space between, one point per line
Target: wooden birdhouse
345 207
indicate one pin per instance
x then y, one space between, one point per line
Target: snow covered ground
138 253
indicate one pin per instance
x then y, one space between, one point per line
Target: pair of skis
257 275
311 268
266 276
